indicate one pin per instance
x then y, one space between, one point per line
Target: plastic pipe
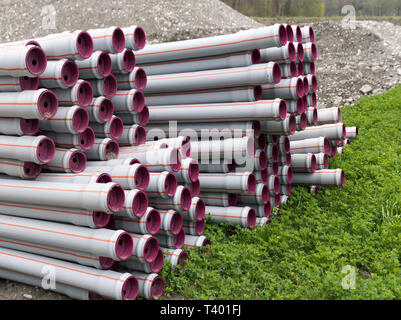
260 196
110 39
241 94
135 37
194 187
74 119
132 135
322 161
285 174
79 94
300 53
260 160
351 132
243 216
182 143
195 228
262 210
230 60
172 241
304 162
266 37
283 145
238 183
67 160
196 211
151 286
312 116
218 78
335 131
247 111
300 69
103 149
324 177
22 61
290 32
285 159
104 87
100 110
128 101
282 54
272 152
310 50
30 104
82 141
59 74
145 247
217 167
135 205
171 222
261 222
189 171
149 223
113 162
23 170
82 178
13 84
18 127
112 129
272 169
286 127
312 80
286 189
329 115
275 201
176 257
196 241
181 200
313 145
136 79
141 118
107 283
273 184
301 120
261 176
288 70
297 33
311 100
295 106
123 62
219 199
308 35
161 184
135 265
98 66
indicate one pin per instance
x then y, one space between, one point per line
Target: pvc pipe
275 201
333 152
329 115
100 110
134 176
312 80
297 33
149 223
22 61
155 266
59 74
272 152
196 241
282 54
103 149
135 37
266 37
23 170
168 159
189 171
295 106
113 162
171 222
194 187
311 100
285 174
161 184
37 149
104 87
261 176
301 120
132 135
260 196
82 141
18 127
335 131
324 177
107 283
82 178
273 185
312 116
79 94
181 200
261 142
309 68
304 162
219 199
98 66
285 159
182 143
172 241
322 161
110 39
123 62
218 78
261 222
288 70
308 35
230 60
29 104
151 286
81 258
283 145
135 205
78 217
217 168
128 101
313 145
136 79
286 189
310 52
176 257
272 169
290 32
67 160
300 53
196 211
73 119
240 94
116 245
286 127
112 128
145 247
238 183
243 216
13 84
246 111
260 160
195 228
351 132
141 118
301 69
262 210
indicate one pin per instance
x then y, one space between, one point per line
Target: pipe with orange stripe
285 174
145 247
37 149
132 135
239 183
67 160
260 159
172 241
297 33
107 283
21 169
176 257
106 86
304 162
103 149
274 110
286 189
283 144
108 197
59 74
112 128
194 187
98 66
196 241
312 116
218 78
149 223
194 228
329 115
310 50
196 211
295 106
141 118
73 119
266 37
219 199
100 109
13 84
116 245
260 196
29 104
262 210
85 259
308 34
135 176
286 127
81 94
243 216
78 217
110 39
19 127
275 201
333 131
273 184
82 178
123 62
351 132
286 89
29 61
151 286
127 101
313 145
288 70
231 60
183 143
285 159
282 54
309 68
290 32
136 79
272 153
155 266
261 222
261 142
323 177
135 37
161 184
272 169
312 80
217 167
171 222
82 141
135 205
302 121
311 100
182 200
300 69
322 161
113 162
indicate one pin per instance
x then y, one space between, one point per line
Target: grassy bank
302 253
305 20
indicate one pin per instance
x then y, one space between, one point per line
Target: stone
28 296
366 89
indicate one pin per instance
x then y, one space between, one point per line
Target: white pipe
81 94
106 86
262 210
132 135
288 70
100 110
112 128
82 141
243 216
172 241
73 119
239 183
171 222
67 160
313 145
304 162
141 118
219 199
217 167
322 161
261 222
155 266
196 241
182 143
260 196
136 79
181 200
312 116
13 84
128 101
286 127
151 286
123 62
333 131
59 74
329 115
110 39
145 247
97 66
285 174
308 34
282 54
351 132
19 127
135 205
149 223
196 211
135 37
23 170
286 189
176 257
324 177
194 228
103 149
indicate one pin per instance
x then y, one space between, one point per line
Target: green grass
301 254
305 20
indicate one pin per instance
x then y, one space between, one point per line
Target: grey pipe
172 241
286 127
313 145
282 54
194 228
329 115
135 37
106 86
171 222
238 183
82 141
149 223
194 187
196 211
285 174
59 74
98 66
151 286
100 110
181 200
128 101
286 189
67 160
261 222
132 135
135 265
73 119
219 199
182 143
243 216
111 39
351 132
324 177
136 79
81 94
261 176
123 62
13 84
304 162
334 131
322 161
161 184
103 149
112 129
141 118
217 168
196 241
295 106
312 116
260 196
176 257
135 205
288 70
308 34
262 210
23 170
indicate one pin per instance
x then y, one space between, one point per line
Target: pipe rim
251 218
140 204
104 65
80 119
106 263
139 35
141 78
115 198
257 92
185 199
130 288
111 150
195 188
157 264
69 73
124 246
118 39
141 178
176 223
100 219
110 86
276 72
45 150
290 33
27 83
103 177
47 104
292 53
36 60
116 127
143 116
77 161
84 93
179 239
301 68
29 126
282 35
293 69
251 183
140 135
84 44
150 248
170 184
106 109
299 34
87 139
138 101
153 221
157 287
256 57
232 199
129 61
32 169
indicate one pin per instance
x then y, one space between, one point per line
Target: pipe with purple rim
100 110
182 200
324 177
329 115
310 50
304 162
127 101
334 131
196 241
104 87
161 184
103 149
312 81
243 216
288 70
21 169
132 135
285 174
136 79
135 37
171 222
155 266
141 118
282 54
176 257
79 94
13 84
297 33
312 145
286 189
19 127
135 205
149 223
273 185
67 160
98 66
301 120
73 119
238 183
260 196
172 241
110 39
181 142
194 187
272 152
262 210
312 116
287 89
194 228
151 286
196 211
308 34
59 74
123 62
112 129
82 141
145 247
